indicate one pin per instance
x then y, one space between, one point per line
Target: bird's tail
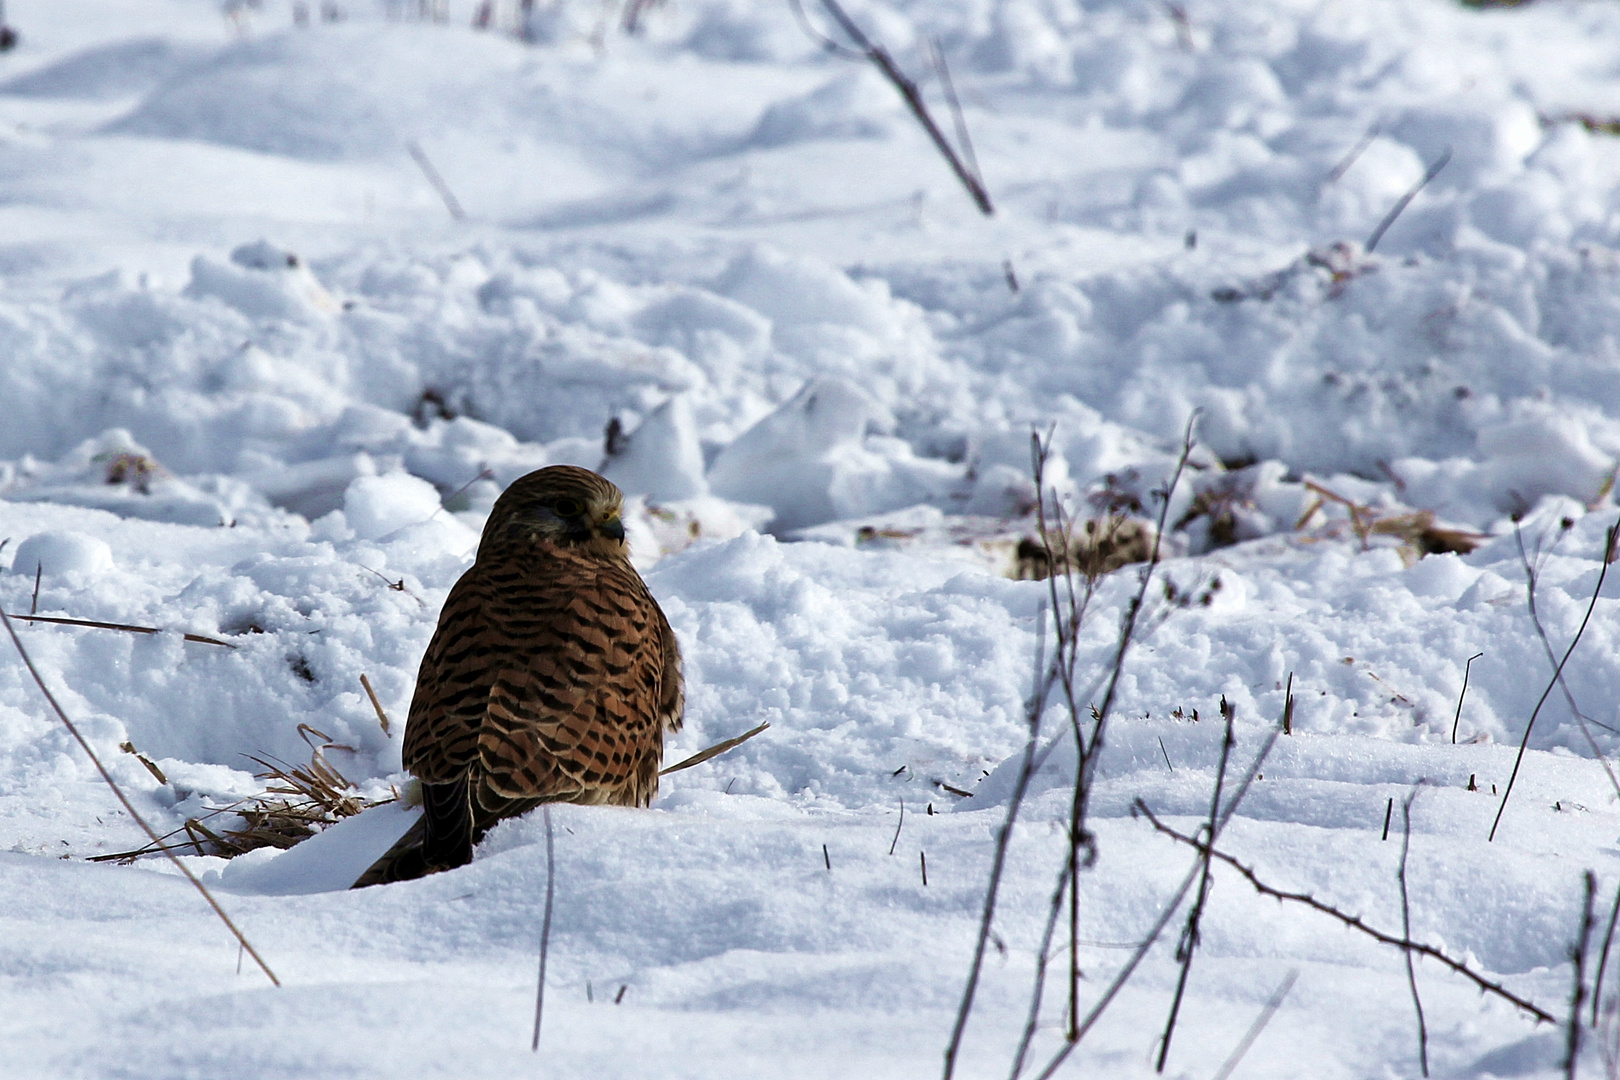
441 839
402 862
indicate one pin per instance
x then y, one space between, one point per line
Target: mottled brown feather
553 673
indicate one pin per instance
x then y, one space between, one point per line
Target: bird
551 677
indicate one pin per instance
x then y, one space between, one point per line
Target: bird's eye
568 508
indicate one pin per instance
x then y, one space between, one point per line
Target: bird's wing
552 689
452 686
671 682
581 718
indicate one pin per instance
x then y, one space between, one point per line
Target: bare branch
880 59
1041 959
1124 974
1352 921
1583 721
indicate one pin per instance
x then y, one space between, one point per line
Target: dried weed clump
297 803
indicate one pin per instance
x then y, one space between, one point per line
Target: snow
259 385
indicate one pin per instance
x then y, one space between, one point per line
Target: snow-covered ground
258 384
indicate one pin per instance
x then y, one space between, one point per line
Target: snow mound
62 553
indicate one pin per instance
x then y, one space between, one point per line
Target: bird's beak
612 528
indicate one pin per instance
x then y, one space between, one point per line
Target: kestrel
551 677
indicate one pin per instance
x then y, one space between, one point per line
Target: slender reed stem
129 807
545 932
1406 929
1189 933
1259 1025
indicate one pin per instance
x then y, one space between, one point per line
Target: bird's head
562 505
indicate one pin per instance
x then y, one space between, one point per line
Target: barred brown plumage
551 677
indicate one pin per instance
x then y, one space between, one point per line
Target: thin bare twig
1069 607
483 474
1288 706
1349 159
1577 954
1272 1005
1581 719
1090 756
880 59
1400 204
1406 927
1464 693
963 139
129 807
1031 1022
1189 933
898 827
1352 921
545 933
1124 974
827 44
1608 547
451 203
1036 706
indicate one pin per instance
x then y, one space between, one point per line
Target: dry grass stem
1400 204
151 766
382 717
545 933
126 627
129 807
451 203
1455 720
1603 958
1415 529
714 751
1272 1005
